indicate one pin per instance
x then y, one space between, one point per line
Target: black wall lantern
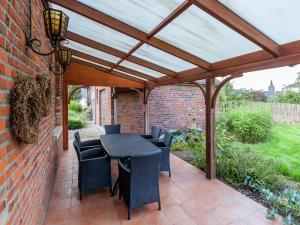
56 25
64 58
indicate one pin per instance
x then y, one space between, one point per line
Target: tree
288 97
77 95
258 96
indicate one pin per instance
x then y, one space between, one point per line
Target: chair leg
159 205
129 213
119 195
80 195
169 172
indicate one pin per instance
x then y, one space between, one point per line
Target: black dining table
120 146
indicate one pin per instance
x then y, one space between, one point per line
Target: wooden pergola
150 43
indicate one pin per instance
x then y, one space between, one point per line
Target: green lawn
284 146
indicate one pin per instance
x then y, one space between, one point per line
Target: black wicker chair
139 181
94 169
85 145
155 134
112 129
165 155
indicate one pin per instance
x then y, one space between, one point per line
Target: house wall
106 103
26 171
176 107
130 109
170 107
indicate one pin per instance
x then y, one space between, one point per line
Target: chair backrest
77 148
168 139
155 132
112 129
144 176
77 137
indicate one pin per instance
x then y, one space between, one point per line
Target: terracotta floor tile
167 200
192 208
135 221
175 214
186 222
188 198
205 219
207 202
61 217
157 218
223 216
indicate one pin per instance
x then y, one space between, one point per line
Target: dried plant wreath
26 111
30 101
45 90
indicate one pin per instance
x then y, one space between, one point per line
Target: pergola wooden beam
103 69
101 47
286 60
180 9
124 28
110 64
226 16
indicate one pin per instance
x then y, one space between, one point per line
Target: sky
260 80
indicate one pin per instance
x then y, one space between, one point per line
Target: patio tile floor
188 198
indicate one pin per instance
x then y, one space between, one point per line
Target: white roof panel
205 37
95 31
278 19
144 15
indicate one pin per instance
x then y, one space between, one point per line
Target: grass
284 146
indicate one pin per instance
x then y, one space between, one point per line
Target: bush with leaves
248 125
76 120
288 97
285 203
75 106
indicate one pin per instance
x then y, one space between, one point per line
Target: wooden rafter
107 70
101 47
226 16
124 28
181 8
110 64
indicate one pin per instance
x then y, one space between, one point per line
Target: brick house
170 107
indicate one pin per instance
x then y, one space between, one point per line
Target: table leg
116 188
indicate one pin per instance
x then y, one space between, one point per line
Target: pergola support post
65 116
210 129
211 93
146 109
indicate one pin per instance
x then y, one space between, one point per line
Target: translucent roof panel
278 19
95 31
85 60
141 69
162 58
91 51
128 74
202 35
144 15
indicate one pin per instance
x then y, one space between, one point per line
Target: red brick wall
26 171
176 106
106 105
170 107
131 112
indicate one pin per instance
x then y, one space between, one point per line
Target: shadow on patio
187 198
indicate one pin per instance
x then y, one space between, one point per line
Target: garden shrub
76 120
249 125
75 106
285 203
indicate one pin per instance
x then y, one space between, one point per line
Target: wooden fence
282 112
